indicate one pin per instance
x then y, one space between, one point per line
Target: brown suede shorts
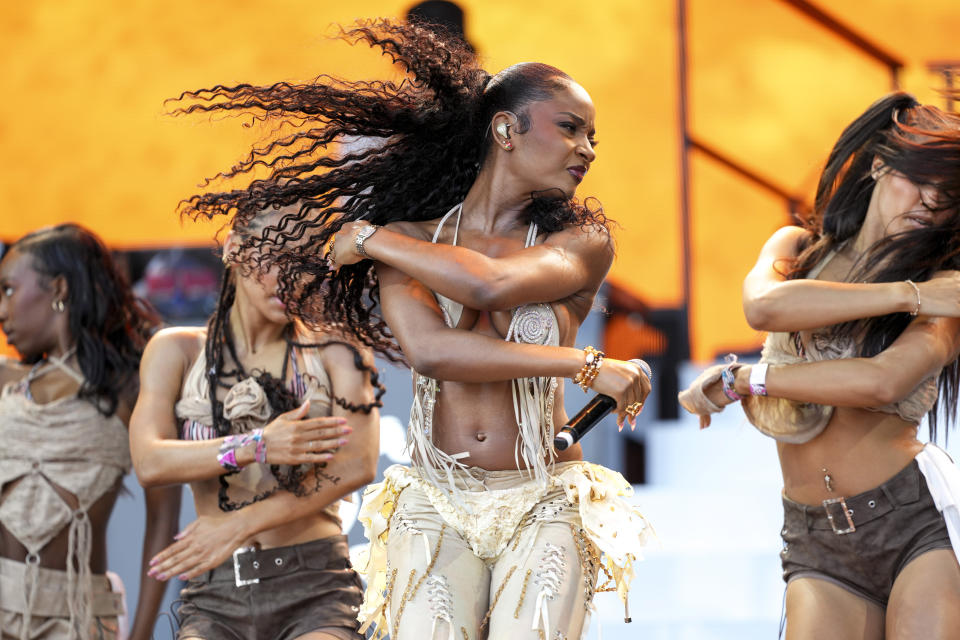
302 588
892 524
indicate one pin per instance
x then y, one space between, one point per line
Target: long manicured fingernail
346 429
153 561
178 536
182 576
152 573
161 577
342 441
619 426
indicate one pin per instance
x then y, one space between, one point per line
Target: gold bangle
916 290
590 369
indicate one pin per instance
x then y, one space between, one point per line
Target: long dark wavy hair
422 142
110 325
922 143
224 369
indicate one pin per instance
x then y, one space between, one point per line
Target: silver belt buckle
829 505
236 567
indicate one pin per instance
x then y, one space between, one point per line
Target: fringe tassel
79 583
31 579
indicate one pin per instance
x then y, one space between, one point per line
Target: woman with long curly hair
249 411
863 310
453 234
64 410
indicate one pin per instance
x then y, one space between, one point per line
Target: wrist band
916 290
728 378
227 457
590 368
260 451
758 379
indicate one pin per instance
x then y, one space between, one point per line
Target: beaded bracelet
728 378
590 368
227 458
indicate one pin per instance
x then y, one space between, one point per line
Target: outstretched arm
771 303
210 539
567 262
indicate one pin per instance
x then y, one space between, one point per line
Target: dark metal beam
683 116
794 201
875 51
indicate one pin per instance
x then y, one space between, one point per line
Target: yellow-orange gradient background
84 135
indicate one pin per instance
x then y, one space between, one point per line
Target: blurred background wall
714 118
713 115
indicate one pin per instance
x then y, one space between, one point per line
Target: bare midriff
54 554
478 418
465 411
860 449
312 527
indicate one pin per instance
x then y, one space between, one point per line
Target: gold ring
634 409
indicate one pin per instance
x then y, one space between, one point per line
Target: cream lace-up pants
516 560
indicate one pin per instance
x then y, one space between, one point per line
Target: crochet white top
533 398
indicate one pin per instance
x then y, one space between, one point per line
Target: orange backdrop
84 135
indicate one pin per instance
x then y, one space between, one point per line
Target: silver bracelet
362 236
916 290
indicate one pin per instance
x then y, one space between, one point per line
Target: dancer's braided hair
221 354
423 140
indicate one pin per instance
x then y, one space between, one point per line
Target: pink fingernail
619 426
178 536
342 441
152 573
346 429
153 561
161 577
182 576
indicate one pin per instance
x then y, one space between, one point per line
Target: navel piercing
827 479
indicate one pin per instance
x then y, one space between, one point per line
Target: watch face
362 235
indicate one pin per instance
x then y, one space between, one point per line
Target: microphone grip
585 420
598 407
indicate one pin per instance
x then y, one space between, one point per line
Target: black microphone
592 413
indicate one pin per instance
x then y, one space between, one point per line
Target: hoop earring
57 305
